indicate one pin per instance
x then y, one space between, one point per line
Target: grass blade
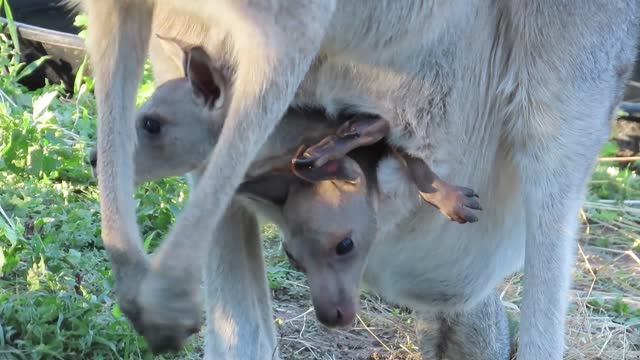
77 83
13 31
32 67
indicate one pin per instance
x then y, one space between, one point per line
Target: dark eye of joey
151 125
344 247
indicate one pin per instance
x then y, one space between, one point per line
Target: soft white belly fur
422 260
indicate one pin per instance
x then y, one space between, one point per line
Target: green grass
56 291
56 298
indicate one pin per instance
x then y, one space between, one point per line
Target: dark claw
470 217
467 192
463 216
472 203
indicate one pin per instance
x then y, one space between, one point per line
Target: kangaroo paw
455 202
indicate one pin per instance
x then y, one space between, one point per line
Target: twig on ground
374 335
593 275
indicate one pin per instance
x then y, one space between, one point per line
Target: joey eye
151 125
344 247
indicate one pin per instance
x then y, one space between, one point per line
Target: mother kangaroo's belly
430 262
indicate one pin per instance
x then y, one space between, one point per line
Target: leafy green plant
81 21
56 298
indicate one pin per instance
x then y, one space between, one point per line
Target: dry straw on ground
602 276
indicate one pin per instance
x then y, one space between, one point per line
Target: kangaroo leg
117 44
555 163
238 303
432 328
557 119
557 125
479 333
455 202
362 130
554 188
285 46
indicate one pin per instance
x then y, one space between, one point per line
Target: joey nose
339 316
336 316
345 316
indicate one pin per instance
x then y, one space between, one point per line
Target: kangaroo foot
361 130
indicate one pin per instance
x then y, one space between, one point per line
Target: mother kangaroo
526 89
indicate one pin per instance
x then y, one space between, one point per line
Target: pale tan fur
527 87
176 130
239 316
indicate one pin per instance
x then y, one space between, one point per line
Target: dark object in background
46 28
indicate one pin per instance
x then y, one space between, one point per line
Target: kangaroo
174 136
526 88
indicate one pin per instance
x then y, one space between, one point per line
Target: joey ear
206 80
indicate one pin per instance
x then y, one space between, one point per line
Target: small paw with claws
455 202
362 130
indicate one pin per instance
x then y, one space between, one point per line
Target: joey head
179 125
328 214
329 223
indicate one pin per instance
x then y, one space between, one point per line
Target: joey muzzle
335 306
339 314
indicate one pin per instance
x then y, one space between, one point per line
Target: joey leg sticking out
455 202
361 130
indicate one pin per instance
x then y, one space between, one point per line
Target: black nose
93 158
